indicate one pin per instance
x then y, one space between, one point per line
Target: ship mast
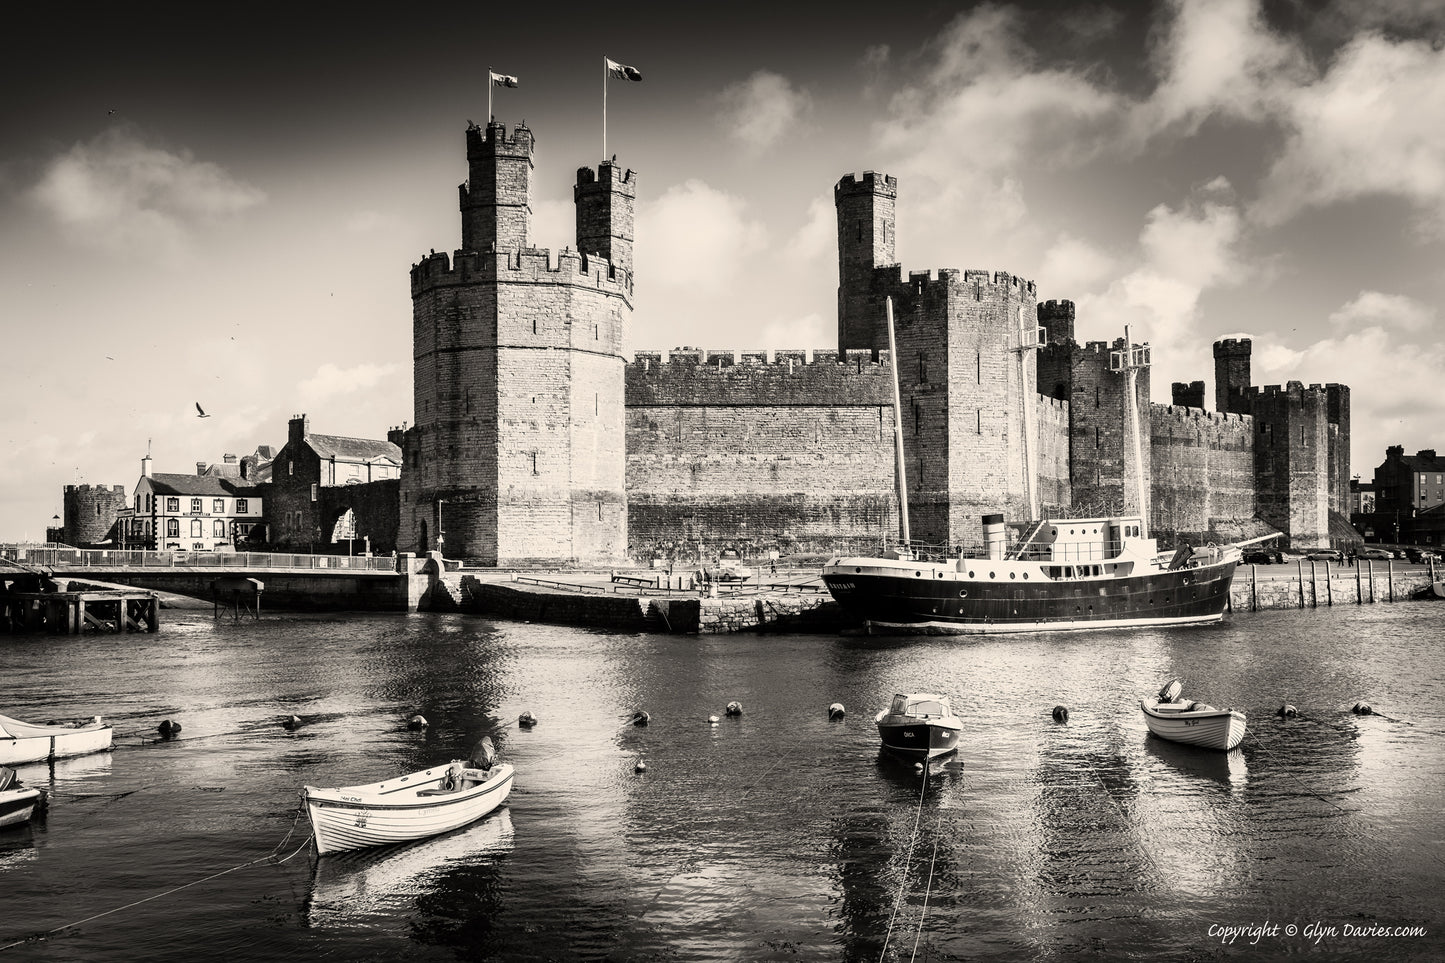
1031 339
1129 361
898 433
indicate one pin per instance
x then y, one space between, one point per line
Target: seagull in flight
201 410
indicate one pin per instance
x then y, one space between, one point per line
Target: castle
537 442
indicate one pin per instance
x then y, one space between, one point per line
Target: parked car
730 568
1262 556
1325 555
1381 554
1421 555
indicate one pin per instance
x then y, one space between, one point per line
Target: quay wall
1307 585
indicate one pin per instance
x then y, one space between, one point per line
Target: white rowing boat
414 806
1192 723
17 804
31 742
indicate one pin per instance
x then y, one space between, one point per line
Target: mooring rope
269 858
927 888
907 863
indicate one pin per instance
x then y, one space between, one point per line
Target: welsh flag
622 71
502 80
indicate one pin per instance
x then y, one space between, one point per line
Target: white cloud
1369 126
1376 309
1217 57
118 193
982 110
330 381
818 238
759 111
1072 267
695 236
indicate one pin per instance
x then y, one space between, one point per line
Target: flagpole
490 85
604 108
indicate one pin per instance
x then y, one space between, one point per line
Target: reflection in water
370 887
1228 769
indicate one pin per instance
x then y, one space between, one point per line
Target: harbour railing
110 559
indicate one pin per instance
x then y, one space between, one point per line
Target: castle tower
605 199
1101 444
497 197
1056 357
1189 395
865 210
91 513
1231 375
1337 413
518 451
1292 461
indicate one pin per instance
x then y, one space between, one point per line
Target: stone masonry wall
765 454
91 512
1203 468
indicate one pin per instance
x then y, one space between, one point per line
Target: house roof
1425 460
163 483
353 449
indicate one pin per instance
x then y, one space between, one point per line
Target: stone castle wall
771 453
91 512
1203 469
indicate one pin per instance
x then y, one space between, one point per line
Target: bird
110 112
202 411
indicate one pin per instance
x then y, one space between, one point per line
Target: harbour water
774 835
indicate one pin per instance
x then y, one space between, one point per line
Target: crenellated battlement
869 182
109 490
947 280
1233 347
791 358
1184 415
495 137
528 264
606 173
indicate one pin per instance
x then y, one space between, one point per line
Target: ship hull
902 597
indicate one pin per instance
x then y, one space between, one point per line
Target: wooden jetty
31 600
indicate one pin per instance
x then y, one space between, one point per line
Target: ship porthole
970 573
990 575
1013 575
917 574
858 571
1026 575
963 593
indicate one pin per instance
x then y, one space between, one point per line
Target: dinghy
17 804
30 742
1192 723
414 806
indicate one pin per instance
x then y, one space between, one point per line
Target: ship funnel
993 535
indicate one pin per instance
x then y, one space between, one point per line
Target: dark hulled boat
919 725
1083 573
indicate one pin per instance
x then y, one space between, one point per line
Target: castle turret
605 199
1189 395
1057 318
1231 375
496 199
865 209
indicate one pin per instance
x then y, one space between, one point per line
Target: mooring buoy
640 767
1061 714
168 729
1363 709
836 711
292 723
1287 711
735 708
527 720
417 722
641 718
712 720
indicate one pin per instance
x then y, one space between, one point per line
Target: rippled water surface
777 835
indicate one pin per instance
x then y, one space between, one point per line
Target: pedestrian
773 566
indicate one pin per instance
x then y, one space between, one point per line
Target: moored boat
17 804
32 742
920 725
414 806
1193 723
1062 574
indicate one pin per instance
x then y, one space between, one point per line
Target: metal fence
76 558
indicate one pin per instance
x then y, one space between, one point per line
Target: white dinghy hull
400 810
1211 728
29 742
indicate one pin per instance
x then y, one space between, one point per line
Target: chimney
229 459
298 430
145 467
200 468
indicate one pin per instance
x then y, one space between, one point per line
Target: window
197 528
198 546
173 528
315 491
196 506
218 506
290 467
241 508
218 529
173 504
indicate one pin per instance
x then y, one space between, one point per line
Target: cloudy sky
227 215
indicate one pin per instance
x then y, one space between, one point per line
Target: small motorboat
31 742
17 804
409 807
920 725
1192 723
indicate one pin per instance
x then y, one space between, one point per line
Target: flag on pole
502 80
622 71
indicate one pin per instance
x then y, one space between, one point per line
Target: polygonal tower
518 453
1231 375
865 208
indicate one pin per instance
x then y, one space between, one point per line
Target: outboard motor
484 754
994 537
7 778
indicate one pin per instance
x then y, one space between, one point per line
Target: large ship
1061 574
